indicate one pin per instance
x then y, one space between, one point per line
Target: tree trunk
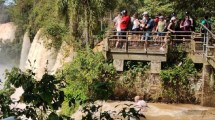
87 26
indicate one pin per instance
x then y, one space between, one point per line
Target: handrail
206 39
213 35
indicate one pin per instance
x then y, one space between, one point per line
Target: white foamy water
3 67
7 32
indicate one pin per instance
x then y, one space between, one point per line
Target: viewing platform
133 46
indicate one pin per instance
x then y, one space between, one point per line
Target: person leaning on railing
206 23
148 27
136 23
172 26
205 27
161 30
124 22
185 26
117 22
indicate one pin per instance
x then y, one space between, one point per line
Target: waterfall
40 57
7 35
25 50
7 32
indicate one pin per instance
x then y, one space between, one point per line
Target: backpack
130 25
207 24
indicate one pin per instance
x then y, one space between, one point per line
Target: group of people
160 25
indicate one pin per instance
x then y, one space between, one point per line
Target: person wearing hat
124 21
172 25
144 19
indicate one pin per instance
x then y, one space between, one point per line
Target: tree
197 8
131 6
2 2
85 15
157 6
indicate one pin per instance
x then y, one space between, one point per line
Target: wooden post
155 66
126 46
118 64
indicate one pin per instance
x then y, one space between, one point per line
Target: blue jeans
147 34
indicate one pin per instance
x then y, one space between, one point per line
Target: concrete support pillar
208 93
155 66
118 64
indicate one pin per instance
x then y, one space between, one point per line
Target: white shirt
141 103
117 25
136 24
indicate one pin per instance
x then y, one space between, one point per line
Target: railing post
126 46
204 43
207 40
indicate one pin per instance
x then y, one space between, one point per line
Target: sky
7 2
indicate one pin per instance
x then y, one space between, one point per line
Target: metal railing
208 43
134 41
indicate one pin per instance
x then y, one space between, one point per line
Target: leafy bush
129 81
56 32
94 112
176 83
88 76
42 98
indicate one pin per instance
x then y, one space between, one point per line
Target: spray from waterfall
25 50
7 61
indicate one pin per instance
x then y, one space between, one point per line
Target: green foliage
42 98
5 100
154 7
56 32
82 18
175 55
2 2
32 15
131 6
135 71
131 113
88 76
176 82
197 8
94 112
20 13
130 80
63 10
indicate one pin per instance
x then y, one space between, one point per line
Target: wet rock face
40 58
37 57
148 87
208 94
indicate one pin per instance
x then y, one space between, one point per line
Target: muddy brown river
161 111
